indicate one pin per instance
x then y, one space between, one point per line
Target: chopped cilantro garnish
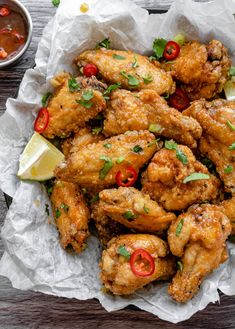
181 156
120 160
107 145
148 79
179 266
103 44
65 207
119 57
96 131
179 227
166 95
171 145
232 147
195 176
132 81
228 169
110 89
135 63
106 168
230 125
158 47
123 252
137 149
87 95
153 142
49 190
55 3
232 70
57 213
154 128
45 99
146 209
152 58
73 85
129 216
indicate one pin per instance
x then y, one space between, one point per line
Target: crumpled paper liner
33 258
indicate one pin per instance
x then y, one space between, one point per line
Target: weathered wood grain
23 310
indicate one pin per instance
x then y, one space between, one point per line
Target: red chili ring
146 260
90 69
171 51
130 180
41 121
179 100
4 11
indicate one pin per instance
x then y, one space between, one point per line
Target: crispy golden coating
163 180
228 208
116 273
97 165
115 70
106 227
203 69
134 210
199 237
81 139
66 115
71 215
215 118
138 110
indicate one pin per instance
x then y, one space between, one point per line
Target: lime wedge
39 159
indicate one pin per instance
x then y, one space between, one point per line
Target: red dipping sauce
13 32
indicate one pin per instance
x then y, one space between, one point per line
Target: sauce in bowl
13 32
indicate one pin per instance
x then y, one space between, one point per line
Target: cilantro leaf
230 125
158 47
86 104
232 147
228 169
154 128
106 168
129 216
137 149
123 252
111 88
146 209
148 79
179 227
179 266
132 81
55 3
87 95
103 44
57 213
181 156
96 131
73 85
135 63
153 142
45 99
107 145
120 160
65 207
171 145
195 176
119 57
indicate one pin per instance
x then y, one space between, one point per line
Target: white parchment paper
33 258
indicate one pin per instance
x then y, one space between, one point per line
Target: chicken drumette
199 238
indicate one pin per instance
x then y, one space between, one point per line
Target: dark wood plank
21 310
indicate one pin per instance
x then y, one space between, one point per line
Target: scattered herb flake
49 190
106 168
232 147
119 57
232 70
153 142
95 198
148 79
158 47
96 131
154 128
87 95
179 266
132 81
65 207
56 3
171 145
57 213
230 125
146 209
111 88
73 85
103 44
228 169
181 156
195 176
129 216
86 104
123 252
45 99
107 145
120 160
166 95
179 227
135 63
152 58
137 149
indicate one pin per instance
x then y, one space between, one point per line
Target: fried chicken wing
71 215
163 179
97 165
133 209
131 70
217 119
69 110
116 273
228 208
203 69
199 237
139 110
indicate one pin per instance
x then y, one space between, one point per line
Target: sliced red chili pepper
171 51
179 100
42 121
129 181
4 11
142 263
90 69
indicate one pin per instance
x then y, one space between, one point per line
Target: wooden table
21 310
